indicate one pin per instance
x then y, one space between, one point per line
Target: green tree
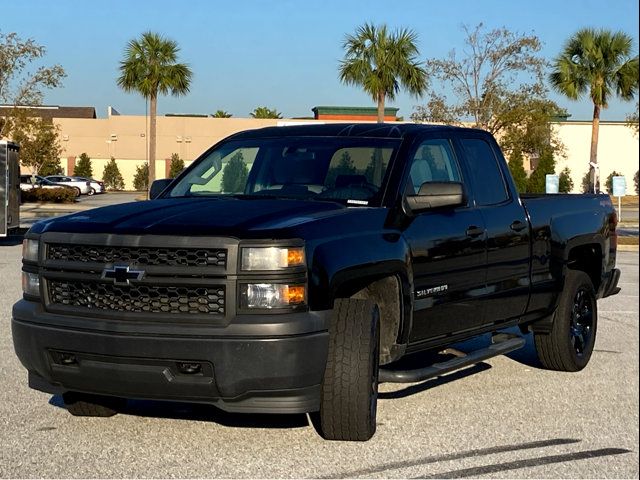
381 62
112 177
265 112
234 175
150 67
20 85
141 177
221 114
177 165
516 166
635 182
344 166
596 63
39 144
609 182
585 184
538 179
565 181
83 167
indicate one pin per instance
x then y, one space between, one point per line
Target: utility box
9 187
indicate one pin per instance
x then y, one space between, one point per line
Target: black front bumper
259 363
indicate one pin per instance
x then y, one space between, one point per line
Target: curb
628 248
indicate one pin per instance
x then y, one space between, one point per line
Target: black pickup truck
335 251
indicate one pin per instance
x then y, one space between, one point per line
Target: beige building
125 137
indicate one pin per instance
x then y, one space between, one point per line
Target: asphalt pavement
504 418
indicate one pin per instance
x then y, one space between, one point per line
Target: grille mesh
177 257
138 298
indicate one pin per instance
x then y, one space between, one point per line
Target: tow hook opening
189 368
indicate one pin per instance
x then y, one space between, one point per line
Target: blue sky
282 54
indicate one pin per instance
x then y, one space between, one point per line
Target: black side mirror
435 195
158 186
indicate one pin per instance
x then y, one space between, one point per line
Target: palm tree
380 61
265 112
597 63
221 114
150 68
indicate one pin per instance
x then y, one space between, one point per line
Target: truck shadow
204 413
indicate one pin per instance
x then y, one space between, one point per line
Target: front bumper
258 363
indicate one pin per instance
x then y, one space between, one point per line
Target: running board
501 343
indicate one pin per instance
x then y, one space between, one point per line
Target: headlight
271 295
31 284
271 258
30 250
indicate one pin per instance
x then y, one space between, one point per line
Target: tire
349 393
85 405
91 191
569 345
78 191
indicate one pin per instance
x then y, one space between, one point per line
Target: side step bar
501 343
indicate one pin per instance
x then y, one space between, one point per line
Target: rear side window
488 183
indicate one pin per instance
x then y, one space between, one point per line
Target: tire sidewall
576 281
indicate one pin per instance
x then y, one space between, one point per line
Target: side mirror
158 186
435 195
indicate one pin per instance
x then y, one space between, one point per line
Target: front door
448 247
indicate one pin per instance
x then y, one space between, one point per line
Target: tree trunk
593 157
153 107
381 107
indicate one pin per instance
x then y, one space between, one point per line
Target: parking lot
504 418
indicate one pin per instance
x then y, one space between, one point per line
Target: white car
83 185
96 185
28 182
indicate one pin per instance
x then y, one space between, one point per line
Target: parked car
96 185
28 182
82 184
346 247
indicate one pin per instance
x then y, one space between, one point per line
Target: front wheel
85 405
349 397
569 345
92 191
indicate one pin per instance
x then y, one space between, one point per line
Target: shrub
55 195
112 177
586 182
609 183
177 165
538 180
565 181
83 167
635 182
516 166
51 167
141 178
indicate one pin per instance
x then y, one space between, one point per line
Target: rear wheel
569 345
349 395
91 191
86 405
78 191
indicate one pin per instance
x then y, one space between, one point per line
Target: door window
488 182
434 161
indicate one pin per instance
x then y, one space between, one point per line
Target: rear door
448 248
508 237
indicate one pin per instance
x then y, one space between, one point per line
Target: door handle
474 231
518 226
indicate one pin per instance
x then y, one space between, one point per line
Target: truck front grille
138 298
162 256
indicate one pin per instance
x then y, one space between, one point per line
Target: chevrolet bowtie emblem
122 274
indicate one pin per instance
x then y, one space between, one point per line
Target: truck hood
235 217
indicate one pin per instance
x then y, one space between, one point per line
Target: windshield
352 170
